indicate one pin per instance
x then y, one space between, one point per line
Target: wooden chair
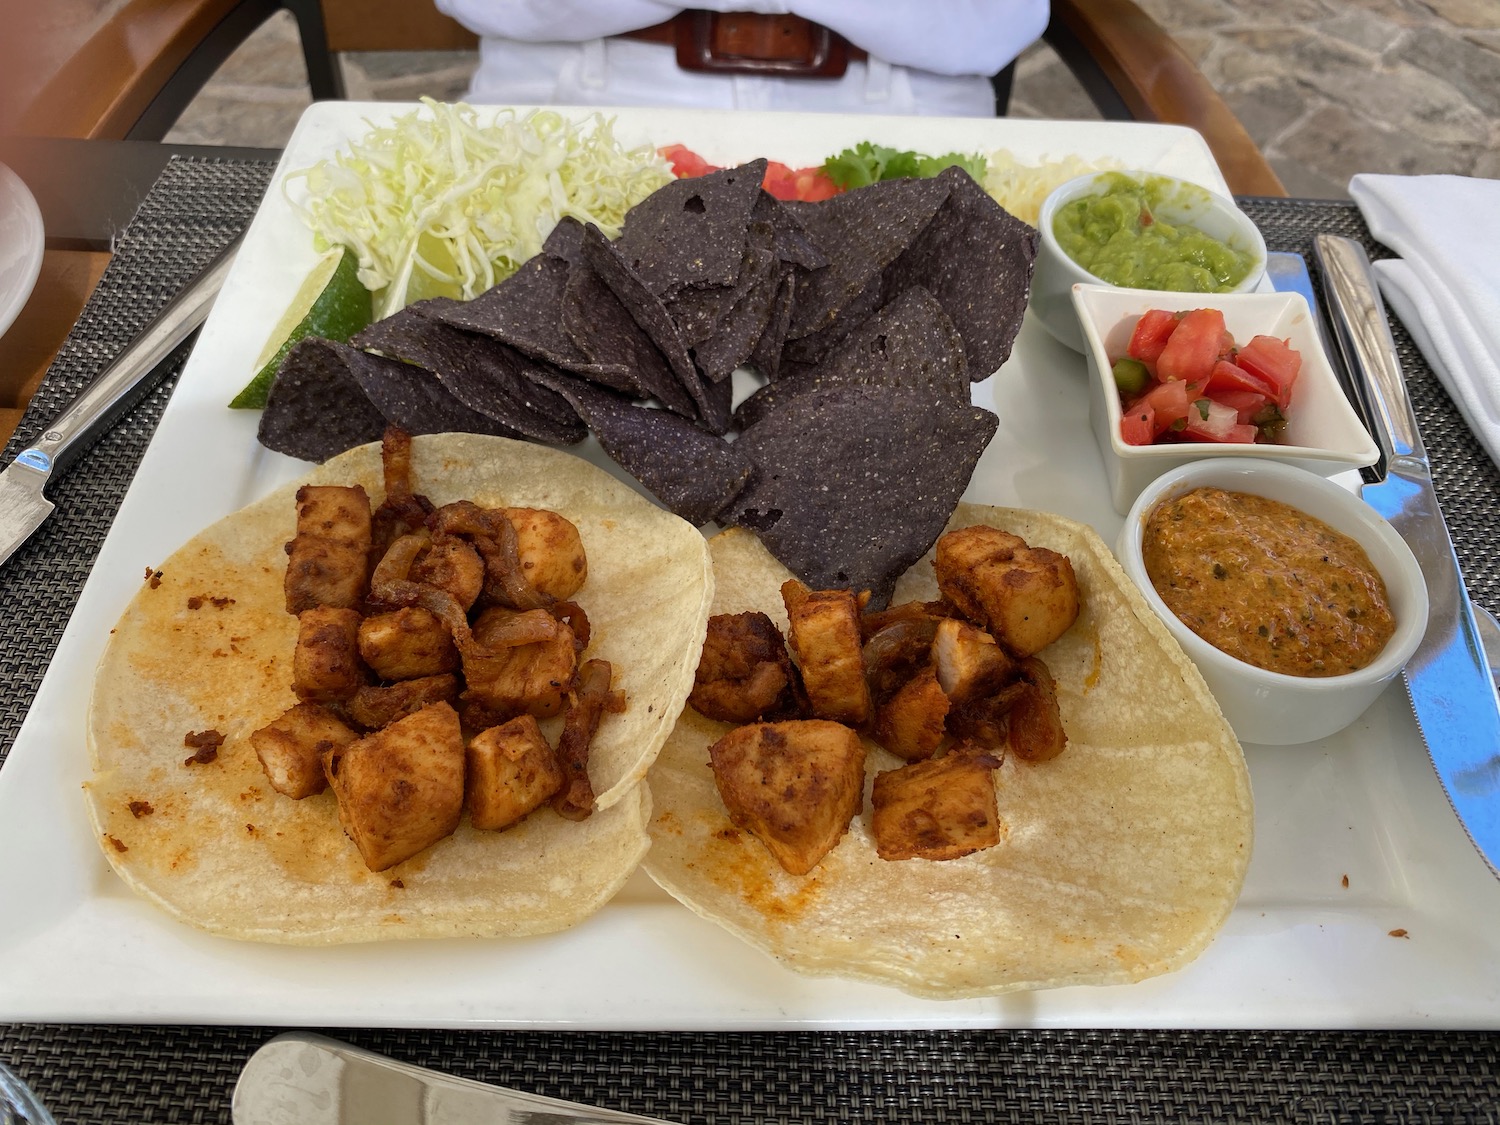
134 76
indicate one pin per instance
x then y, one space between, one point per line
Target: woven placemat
88 1074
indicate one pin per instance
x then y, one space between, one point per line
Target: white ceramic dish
1323 433
1301 950
21 246
1269 707
1052 285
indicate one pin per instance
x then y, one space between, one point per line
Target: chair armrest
1133 69
134 75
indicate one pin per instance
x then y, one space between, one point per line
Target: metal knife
302 1079
23 504
1448 677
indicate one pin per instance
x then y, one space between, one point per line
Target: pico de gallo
1183 378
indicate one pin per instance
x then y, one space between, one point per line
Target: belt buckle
789 46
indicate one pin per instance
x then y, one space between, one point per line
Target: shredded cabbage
438 204
1021 188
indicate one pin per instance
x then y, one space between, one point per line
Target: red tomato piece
1193 348
1275 361
1229 376
685 163
1169 403
814 184
1246 404
780 180
1138 426
1151 334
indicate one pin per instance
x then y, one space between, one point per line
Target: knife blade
1288 273
23 502
1447 678
303 1079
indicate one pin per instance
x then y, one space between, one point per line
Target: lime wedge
331 303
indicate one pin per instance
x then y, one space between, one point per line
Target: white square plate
1354 837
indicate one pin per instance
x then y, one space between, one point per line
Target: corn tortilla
1119 860
209 647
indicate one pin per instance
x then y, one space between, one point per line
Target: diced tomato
1228 376
814 184
1274 361
1193 348
806 184
1138 426
1208 420
780 180
1245 404
685 162
1169 403
1151 334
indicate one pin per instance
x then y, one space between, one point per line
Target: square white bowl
1323 434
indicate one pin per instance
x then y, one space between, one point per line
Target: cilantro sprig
867 163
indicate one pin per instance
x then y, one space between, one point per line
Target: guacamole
1120 237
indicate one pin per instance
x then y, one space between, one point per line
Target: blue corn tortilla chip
316 408
694 474
854 483
648 311
861 232
700 313
976 258
791 241
765 357
735 336
525 311
565 241
690 233
481 372
412 399
603 329
911 342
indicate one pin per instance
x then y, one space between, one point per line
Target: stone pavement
1325 87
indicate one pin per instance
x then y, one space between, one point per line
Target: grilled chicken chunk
373 707
910 723
939 809
969 663
745 672
1026 597
291 747
329 558
825 639
511 770
796 785
551 550
1035 730
326 665
406 644
453 566
401 789
516 679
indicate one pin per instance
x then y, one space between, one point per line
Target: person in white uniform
887 56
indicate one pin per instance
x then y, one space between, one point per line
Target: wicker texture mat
89 1074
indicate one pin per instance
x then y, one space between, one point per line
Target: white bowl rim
1368 454
1409 629
1068 190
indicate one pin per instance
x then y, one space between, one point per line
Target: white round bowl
1055 273
1270 707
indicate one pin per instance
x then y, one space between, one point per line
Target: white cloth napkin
1445 287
